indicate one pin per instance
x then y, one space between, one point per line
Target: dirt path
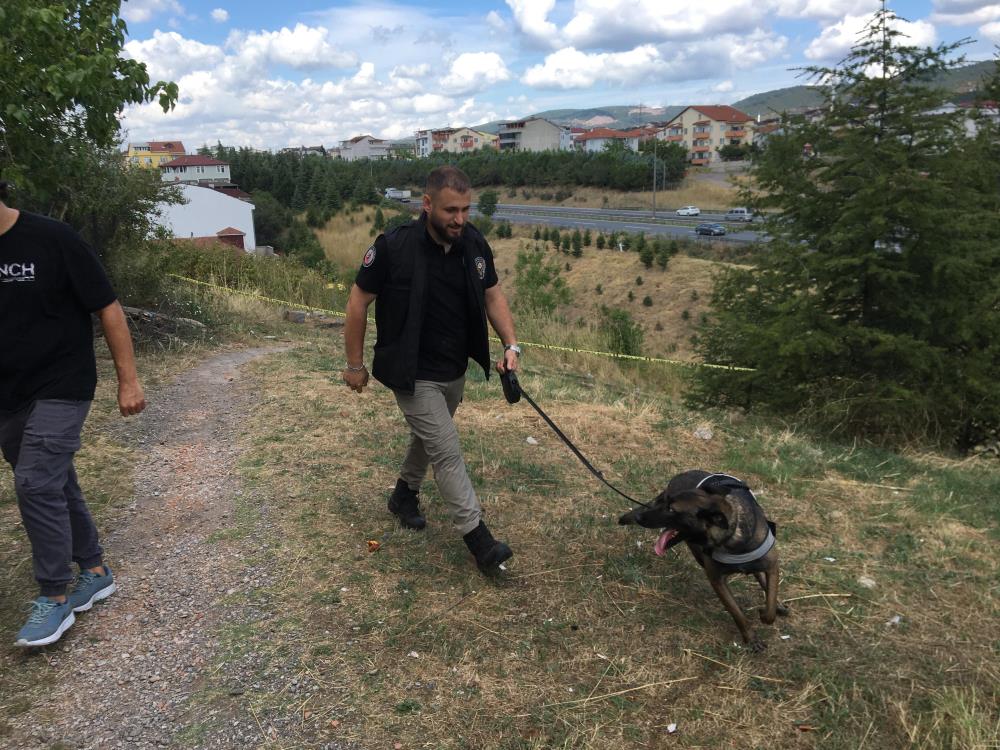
128 669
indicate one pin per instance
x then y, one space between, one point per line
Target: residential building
704 129
534 134
305 150
364 147
209 216
598 139
197 170
151 154
453 141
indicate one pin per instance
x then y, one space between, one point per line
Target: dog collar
746 557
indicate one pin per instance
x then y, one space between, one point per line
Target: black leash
512 391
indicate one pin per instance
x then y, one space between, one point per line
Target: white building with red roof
704 129
196 170
209 216
598 139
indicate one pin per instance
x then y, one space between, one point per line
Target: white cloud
168 55
531 18
835 41
303 47
723 88
570 68
475 71
496 22
824 9
221 15
140 11
965 12
411 71
991 31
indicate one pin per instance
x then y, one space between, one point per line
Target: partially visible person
50 283
436 287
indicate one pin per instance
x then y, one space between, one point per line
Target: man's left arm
131 399
498 312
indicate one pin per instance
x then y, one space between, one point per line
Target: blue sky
275 74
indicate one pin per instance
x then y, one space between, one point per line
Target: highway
619 220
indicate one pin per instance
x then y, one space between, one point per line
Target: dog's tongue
663 542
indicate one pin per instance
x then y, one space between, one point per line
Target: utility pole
654 175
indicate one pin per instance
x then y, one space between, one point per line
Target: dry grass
706 194
589 640
679 293
346 236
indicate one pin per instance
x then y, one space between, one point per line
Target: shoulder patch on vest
481 267
369 257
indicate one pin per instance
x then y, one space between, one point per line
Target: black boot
489 553
403 504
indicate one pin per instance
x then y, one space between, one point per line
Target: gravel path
128 669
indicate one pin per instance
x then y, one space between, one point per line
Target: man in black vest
436 287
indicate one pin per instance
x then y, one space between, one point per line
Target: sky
308 72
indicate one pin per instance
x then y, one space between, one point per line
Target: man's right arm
356 374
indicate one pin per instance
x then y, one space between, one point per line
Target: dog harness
731 482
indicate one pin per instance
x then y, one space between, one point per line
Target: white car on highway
689 211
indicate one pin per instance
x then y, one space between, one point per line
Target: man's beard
443 231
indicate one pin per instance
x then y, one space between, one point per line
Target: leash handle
513 392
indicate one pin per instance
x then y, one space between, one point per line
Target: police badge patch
481 267
369 257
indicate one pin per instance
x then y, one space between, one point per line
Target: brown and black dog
719 519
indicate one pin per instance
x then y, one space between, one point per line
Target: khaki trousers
434 442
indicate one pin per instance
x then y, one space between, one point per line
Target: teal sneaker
47 622
90 588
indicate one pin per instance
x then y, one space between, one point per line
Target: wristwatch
513 348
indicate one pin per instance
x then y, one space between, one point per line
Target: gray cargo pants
39 441
434 441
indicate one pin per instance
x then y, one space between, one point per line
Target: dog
719 519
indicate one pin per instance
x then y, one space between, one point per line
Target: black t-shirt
448 311
50 283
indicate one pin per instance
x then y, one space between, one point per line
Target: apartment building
364 147
453 141
196 170
704 129
598 139
151 154
534 134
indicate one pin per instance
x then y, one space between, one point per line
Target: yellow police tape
532 344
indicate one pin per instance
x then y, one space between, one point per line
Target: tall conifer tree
874 311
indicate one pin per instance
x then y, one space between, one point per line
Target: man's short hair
447 177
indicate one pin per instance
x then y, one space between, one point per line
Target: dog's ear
717 511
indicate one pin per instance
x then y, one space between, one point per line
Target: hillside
622 117
962 82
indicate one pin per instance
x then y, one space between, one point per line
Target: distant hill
618 117
768 103
963 83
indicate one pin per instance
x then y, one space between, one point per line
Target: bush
647 301
623 335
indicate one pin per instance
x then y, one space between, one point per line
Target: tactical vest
399 307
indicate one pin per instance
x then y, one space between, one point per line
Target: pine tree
600 242
873 311
586 238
